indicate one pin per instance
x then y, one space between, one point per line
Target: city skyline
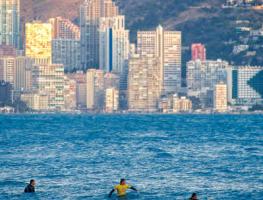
142 77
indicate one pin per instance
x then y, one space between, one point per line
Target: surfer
193 197
122 188
30 187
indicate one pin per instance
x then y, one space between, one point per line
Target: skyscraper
95 89
48 79
198 52
90 13
65 43
7 69
144 83
246 85
38 42
10 23
114 44
64 29
165 45
111 100
220 97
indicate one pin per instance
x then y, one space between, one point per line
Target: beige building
49 80
165 45
17 71
95 89
38 42
81 88
220 97
111 100
181 104
64 29
7 69
70 88
144 83
37 102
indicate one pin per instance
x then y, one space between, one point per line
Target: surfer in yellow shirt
122 188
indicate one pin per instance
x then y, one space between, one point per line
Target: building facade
7 69
246 85
166 46
95 89
66 52
204 75
220 97
90 13
64 29
144 83
23 74
114 44
38 42
81 88
198 52
111 100
49 80
10 28
181 104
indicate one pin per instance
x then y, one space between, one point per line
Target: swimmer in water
30 188
122 188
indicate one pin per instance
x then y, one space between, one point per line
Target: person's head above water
194 196
33 182
122 181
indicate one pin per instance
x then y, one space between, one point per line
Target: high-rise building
65 43
204 75
198 52
66 52
114 44
111 100
70 88
166 46
7 50
48 79
64 29
16 71
220 97
81 88
7 69
38 42
23 74
95 89
144 83
245 85
90 13
10 23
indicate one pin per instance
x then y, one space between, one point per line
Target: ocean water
165 157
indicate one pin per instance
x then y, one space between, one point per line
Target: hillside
199 20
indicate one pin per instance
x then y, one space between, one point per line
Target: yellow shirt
121 189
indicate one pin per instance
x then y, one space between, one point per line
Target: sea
166 157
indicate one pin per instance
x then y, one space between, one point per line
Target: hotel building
10 28
90 13
144 83
166 46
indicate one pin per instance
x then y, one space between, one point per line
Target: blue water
166 157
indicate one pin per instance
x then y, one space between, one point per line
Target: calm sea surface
165 156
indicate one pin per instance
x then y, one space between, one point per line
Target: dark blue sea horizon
165 157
